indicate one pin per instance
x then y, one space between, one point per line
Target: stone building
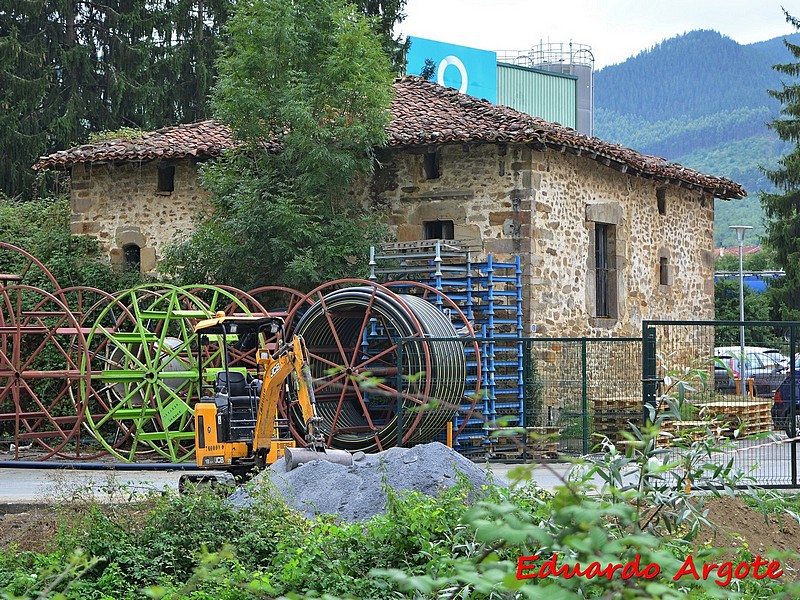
607 236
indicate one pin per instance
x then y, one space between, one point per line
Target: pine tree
783 208
72 67
385 15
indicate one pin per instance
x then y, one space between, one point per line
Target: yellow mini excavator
235 423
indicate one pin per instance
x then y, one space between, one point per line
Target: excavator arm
218 445
288 360
291 360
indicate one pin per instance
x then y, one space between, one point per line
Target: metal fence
569 394
733 387
578 391
566 394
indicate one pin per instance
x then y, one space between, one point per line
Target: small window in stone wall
661 200
431 165
605 271
132 257
166 178
666 273
663 271
438 230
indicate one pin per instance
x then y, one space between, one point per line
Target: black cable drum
351 335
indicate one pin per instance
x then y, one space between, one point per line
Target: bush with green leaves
635 503
42 228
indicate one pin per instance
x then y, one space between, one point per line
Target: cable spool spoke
38 369
145 375
86 303
26 269
358 329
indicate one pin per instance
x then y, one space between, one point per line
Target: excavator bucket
298 456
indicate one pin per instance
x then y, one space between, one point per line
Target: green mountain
700 99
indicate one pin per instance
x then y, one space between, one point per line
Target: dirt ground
737 525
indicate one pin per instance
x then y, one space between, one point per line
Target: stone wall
506 199
121 205
545 206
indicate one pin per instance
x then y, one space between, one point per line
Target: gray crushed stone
356 493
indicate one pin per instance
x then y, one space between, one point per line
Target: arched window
132 256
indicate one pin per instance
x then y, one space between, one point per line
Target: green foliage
308 122
42 228
327 105
385 15
757 307
783 207
71 68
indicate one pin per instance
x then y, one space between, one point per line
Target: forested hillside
700 99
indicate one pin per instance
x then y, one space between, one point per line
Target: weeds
648 511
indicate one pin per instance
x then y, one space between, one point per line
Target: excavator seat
233 383
237 400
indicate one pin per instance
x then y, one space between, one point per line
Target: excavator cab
236 425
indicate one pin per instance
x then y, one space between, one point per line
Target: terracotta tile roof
423 113
205 139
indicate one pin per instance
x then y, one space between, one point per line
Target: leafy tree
306 87
757 307
783 207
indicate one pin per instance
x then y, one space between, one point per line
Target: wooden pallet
510 444
750 417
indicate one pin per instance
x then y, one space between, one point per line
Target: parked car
782 404
766 366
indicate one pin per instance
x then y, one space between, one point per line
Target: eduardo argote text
531 567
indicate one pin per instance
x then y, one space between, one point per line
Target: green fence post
526 399
584 398
649 380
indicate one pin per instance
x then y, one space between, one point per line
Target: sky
614 29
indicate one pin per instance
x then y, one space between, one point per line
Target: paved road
47 486
767 463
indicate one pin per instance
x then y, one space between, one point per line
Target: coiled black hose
352 336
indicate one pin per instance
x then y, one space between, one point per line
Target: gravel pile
355 493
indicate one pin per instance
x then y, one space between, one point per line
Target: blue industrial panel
468 70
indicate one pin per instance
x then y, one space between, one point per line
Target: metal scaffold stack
481 297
